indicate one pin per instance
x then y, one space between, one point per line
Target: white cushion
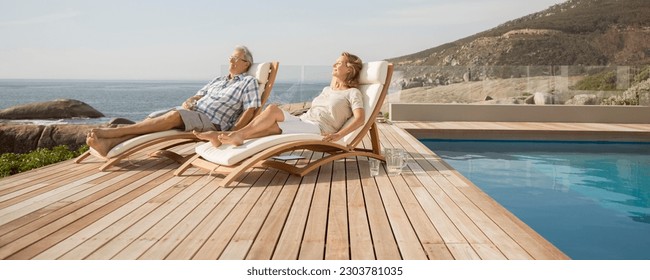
372 79
136 141
260 71
373 73
230 155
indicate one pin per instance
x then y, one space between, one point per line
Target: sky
191 40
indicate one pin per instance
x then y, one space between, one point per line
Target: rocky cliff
576 32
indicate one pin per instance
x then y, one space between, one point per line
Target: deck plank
407 240
263 245
199 211
260 191
361 247
383 238
78 220
241 241
208 239
313 243
290 240
42 221
106 244
337 244
182 205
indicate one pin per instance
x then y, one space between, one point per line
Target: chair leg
186 165
82 157
168 154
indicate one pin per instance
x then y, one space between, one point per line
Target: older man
226 103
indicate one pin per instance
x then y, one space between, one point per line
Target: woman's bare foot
212 136
233 138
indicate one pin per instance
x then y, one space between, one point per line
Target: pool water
590 199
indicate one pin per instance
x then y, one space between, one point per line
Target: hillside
576 32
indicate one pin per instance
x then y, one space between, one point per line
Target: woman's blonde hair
355 64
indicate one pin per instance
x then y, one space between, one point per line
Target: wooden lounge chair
265 74
235 161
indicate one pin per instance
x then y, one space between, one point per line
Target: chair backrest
374 81
265 74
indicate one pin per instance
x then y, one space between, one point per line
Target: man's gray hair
247 54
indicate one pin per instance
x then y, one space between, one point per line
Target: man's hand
190 103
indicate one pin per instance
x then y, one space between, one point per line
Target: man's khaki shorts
196 121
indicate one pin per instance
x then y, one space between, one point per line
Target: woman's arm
358 116
244 119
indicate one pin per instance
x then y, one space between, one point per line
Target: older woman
328 113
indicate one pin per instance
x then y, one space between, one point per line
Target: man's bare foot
99 145
106 132
212 136
233 138
104 145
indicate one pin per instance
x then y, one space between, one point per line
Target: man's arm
244 119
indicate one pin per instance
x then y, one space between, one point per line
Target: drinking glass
395 161
374 166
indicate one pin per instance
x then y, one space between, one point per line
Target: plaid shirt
224 100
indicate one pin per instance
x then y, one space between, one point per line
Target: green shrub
600 81
11 163
643 75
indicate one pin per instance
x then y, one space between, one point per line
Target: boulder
56 109
19 138
413 84
24 138
543 98
530 99
467 77
118 121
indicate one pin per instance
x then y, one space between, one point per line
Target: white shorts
293 124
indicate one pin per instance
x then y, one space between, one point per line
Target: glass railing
580 85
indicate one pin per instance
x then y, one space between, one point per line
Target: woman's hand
333 137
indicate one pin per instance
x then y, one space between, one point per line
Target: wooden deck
139 210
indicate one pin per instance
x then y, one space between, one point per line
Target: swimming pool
590 199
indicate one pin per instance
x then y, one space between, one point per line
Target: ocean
133 100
